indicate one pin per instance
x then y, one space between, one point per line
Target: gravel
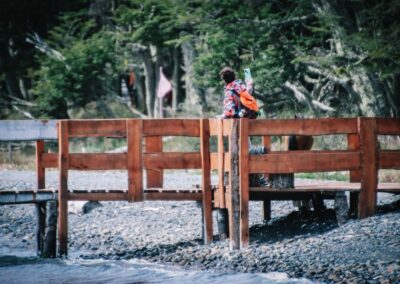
299 244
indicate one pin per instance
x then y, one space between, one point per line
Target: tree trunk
176 77
195 97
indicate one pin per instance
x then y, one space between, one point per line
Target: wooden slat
28 130
321 126
388 126
369 180
97 161
244 181
213 126
304 161
63 164
134 162
206 180
40 169
154 144
50 160
392 187
97 196
172 160
221 164
389 159
171 127
150 194
97 128
353 144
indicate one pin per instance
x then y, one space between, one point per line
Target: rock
89 206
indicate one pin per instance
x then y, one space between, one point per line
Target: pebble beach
298 244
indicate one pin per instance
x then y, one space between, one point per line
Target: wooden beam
98 161
172 195
234 187
97 128
206 180
244 181
305 161
98 196
353 144
321 126
28 130
134 162
266 206
171 127
63 165
221 165
369 179
388 126
40 169
154 144
389 159
172 160
213 126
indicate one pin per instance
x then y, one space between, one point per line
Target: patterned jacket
231 98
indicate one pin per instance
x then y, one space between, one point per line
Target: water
29 269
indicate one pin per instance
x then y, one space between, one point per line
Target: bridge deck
256 193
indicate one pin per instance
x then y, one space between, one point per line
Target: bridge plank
97 128
389 159
172 160
171 127
388 126
28 130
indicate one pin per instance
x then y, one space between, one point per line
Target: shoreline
166 232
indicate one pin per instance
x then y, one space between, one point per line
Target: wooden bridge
145 152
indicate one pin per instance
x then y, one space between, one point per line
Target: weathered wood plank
321 126
98 161
213 126
304 161
221 165
353 144
28 130
172 160
369 179
154 144
172 195
234 188
134 162
171 127
389 159
206 180
97 128
40 169
98 196
388 126
63 164
244 181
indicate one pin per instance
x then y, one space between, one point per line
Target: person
233 87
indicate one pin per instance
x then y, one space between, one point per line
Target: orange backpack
248 105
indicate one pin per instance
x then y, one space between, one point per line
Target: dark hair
227 74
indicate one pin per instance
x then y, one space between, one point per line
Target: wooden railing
152 159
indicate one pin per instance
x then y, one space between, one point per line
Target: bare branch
24 113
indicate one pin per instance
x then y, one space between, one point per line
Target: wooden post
222 213
50 240
41 226
134 159
63 165
206 179
266 203
221 165
234 187
353 142
369 168
153 144
244 181
40 170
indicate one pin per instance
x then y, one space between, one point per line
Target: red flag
164 86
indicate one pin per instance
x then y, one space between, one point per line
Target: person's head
227 74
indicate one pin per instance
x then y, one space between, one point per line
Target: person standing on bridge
238 101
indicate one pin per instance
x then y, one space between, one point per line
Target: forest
102 58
